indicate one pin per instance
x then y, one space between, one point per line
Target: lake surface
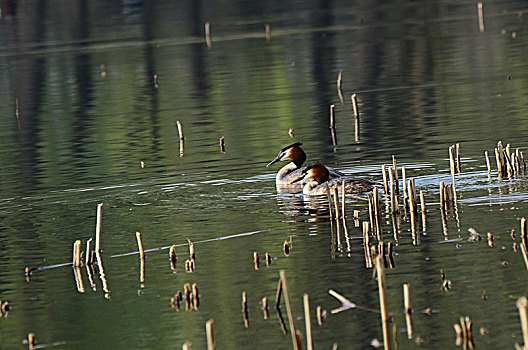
93 125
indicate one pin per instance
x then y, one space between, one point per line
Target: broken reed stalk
500 170
480 12
395 168
408 310
394 198
98 227
89 256
339 79
195 296
332 117
523 232
343 213
335 194
380 270
405 192
222 144
293 331
377 212
424 211
192 255
442 208
366 245
77 253
412 208
140 246
458 166
208 34
278 295
355 106
521 305
525 255
453 169
372 219
385 184
265 307
307 321
180 133
487 162
245 309
210 334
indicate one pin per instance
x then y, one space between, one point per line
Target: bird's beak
273 161
298 179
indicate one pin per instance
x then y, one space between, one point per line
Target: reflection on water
84 121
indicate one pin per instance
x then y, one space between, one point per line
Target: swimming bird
320 178
292 171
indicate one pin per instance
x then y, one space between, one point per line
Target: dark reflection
324 71
83 120
304 208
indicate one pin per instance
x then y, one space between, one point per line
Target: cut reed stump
210 334
522 303
98 227
380 269
307 321
207 28
407 307
480 12
291 320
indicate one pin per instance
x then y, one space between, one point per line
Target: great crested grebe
293 171
319 176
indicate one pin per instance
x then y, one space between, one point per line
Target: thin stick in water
291 320
355 106
98 227
210 334
77 253
180 132
480 12
140 245
332 116
222 144
521 305
385 184
208 34
339 79
408 310
380 269
424 211
487 162
278 295
245 309
308 324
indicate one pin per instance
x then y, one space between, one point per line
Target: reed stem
291 320
210 334
140 246
307 321
355 106
98 228
380 269
521 305
480 16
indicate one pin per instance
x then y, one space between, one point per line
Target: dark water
90 113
